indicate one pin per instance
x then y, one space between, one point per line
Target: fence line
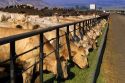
86 25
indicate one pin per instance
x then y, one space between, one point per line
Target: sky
69 3
113 3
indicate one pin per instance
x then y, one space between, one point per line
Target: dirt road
113 65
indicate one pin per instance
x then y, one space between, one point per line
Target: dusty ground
113 65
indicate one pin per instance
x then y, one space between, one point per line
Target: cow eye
83 55
62 59
80 46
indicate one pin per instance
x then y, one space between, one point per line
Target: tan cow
50 61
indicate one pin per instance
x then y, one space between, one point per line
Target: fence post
41 57
80 30
75 37
68 41
74 29
93 22
12 62
96 21
87 25
59 68
83 28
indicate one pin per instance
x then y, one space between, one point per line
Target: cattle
50 22
77 53
17 17
21 47
85 42
4 17
29 58
79 47
80 54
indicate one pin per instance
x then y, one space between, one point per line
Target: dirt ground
113 64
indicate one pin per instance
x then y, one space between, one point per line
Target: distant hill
36 3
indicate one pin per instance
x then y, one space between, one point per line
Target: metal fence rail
84 25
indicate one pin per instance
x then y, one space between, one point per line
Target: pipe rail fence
84 26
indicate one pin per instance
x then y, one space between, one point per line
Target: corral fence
84 26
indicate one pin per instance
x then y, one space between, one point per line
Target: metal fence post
41 57
59 68
74 29
91 22
68 41
95 22
83 28
75 37
80 30
87 25
12 61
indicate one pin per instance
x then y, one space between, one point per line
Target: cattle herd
13 23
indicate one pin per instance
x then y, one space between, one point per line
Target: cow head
79 57
64 67
50 64
86 43
97 32
90 34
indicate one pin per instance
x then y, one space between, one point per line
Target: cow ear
73 53
36 26
80 47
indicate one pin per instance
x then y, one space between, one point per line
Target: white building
92 6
